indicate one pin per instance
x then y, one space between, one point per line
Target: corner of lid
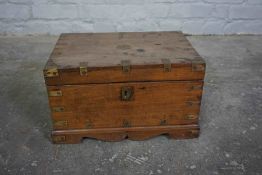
51 72
198 65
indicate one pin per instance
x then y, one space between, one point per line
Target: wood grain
108 49
103 53
152 104
84 79
118 134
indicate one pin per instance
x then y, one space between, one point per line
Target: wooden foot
118 134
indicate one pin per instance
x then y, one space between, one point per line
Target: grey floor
231 118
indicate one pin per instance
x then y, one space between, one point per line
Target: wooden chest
113 86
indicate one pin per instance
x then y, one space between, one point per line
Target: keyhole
127 93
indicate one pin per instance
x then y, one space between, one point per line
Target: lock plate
127 93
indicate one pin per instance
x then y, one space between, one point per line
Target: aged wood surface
108 49
142 73
102 54
112 86
101 106
118 134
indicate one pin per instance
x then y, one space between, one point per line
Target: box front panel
118 105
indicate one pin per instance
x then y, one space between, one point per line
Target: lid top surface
109 49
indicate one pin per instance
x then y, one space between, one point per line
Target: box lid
123 57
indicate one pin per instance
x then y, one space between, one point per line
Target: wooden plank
115 74
104 53
152 104
118 134
108 49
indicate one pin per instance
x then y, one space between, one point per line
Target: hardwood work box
113 86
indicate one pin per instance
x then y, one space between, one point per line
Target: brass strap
167 65
126 66
83 68
55 93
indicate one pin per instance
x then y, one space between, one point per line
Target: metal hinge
83 68
51 72
126 66
198 66
167 65
55 93
58 109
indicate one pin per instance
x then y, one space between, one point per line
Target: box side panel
125 105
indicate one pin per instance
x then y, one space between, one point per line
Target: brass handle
127 93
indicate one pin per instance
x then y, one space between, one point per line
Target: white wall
190 16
